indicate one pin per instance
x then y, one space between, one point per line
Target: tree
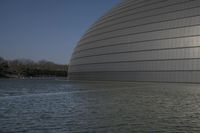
3 67
26 68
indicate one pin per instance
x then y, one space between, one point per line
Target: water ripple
100 107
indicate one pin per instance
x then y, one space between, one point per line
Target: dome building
142 40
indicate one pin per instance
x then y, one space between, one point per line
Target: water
50 106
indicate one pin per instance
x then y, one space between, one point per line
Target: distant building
142 40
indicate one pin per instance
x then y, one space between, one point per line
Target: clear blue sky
46 29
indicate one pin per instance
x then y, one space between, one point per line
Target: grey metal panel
189 76
146 28
156 42
190 4
123 8
164 34
152 45
139 56
152 19
165 65
136 9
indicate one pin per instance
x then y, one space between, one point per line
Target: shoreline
34 78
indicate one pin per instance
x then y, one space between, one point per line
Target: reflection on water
48 106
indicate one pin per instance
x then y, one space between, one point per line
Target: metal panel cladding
142 40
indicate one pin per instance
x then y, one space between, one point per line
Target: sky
46 29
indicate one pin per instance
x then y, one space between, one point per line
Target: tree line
28 68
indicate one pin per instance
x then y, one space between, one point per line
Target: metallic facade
142 40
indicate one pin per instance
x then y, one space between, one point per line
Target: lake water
53 106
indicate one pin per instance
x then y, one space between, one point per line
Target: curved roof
142 40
